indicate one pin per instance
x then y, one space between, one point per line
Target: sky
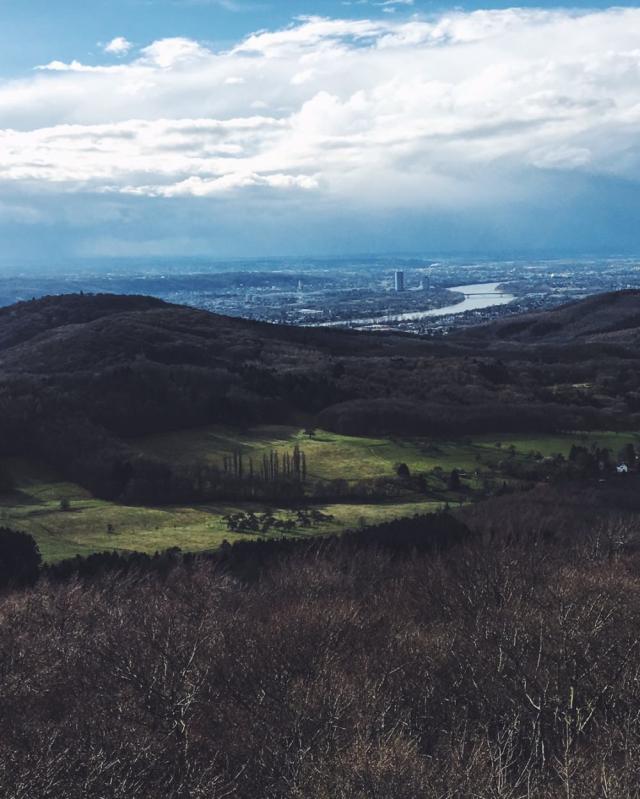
234 128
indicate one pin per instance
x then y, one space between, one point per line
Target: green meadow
83 524
331 456
93 525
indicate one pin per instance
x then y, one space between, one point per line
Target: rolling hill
81 376
612 318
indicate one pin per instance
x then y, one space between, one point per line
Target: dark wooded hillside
81 375
500 666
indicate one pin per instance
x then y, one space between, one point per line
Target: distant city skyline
225 128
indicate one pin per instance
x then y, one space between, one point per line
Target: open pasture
333 456
38 505
93 525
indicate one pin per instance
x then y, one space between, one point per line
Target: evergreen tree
19 558
454 483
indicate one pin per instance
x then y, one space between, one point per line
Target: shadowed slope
612 318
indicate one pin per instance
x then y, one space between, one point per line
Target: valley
229 525
319 400
133 425
67 520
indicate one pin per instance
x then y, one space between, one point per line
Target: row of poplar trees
273 467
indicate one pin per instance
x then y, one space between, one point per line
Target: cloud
459 111
167 53
118 46
391 6
77 66
199 187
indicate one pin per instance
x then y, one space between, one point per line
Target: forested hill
25 321
71 332
81 374
612 318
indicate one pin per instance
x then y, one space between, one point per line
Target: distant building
399 280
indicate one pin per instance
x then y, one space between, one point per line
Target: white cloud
391 6
77 66
118 46
167 53
390 112
199 187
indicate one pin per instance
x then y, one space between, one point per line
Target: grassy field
330 455
92 525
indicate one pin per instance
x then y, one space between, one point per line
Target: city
413 295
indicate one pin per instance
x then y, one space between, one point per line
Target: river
476 297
